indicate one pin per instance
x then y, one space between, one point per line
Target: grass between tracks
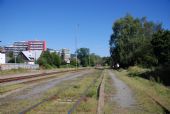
68 93
145 90
109 90
4 89
13 71
21 70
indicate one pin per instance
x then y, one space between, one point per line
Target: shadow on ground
159 74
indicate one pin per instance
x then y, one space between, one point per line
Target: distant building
53 51
73 56
65 54
36 54
27 57
2 58
37 45
19 46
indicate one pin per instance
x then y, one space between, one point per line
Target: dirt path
124 95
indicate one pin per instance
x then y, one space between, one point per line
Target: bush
136 70
92 92
49 60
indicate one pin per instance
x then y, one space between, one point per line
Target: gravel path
124 95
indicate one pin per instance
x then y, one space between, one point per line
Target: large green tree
106 61
161 46
83 55
49 60
56 59
130 41
95 59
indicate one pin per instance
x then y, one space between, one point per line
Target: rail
83 95
32 76
43 101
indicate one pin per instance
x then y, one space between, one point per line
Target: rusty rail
46 100
70 111
32 76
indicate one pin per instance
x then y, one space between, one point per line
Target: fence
10 66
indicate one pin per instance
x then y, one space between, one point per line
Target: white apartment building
2 58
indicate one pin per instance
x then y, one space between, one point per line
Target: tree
48 57
73 62
95 59
11 58
19 59
83 55
92 59
161 46
49 60
56 59
106 61
130 41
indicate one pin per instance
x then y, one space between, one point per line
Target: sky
59 22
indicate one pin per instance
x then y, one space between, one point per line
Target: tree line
84 59
137 41
49 60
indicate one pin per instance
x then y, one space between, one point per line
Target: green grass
109 90
88 106
13 71
143 89
21 70
136 70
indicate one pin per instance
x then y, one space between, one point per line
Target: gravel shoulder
124 95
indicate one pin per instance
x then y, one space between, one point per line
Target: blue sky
56 20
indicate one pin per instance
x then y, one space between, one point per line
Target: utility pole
89 58
0 47
15 55
77 28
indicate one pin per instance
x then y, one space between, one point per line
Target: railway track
53 97
83 95
33 76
